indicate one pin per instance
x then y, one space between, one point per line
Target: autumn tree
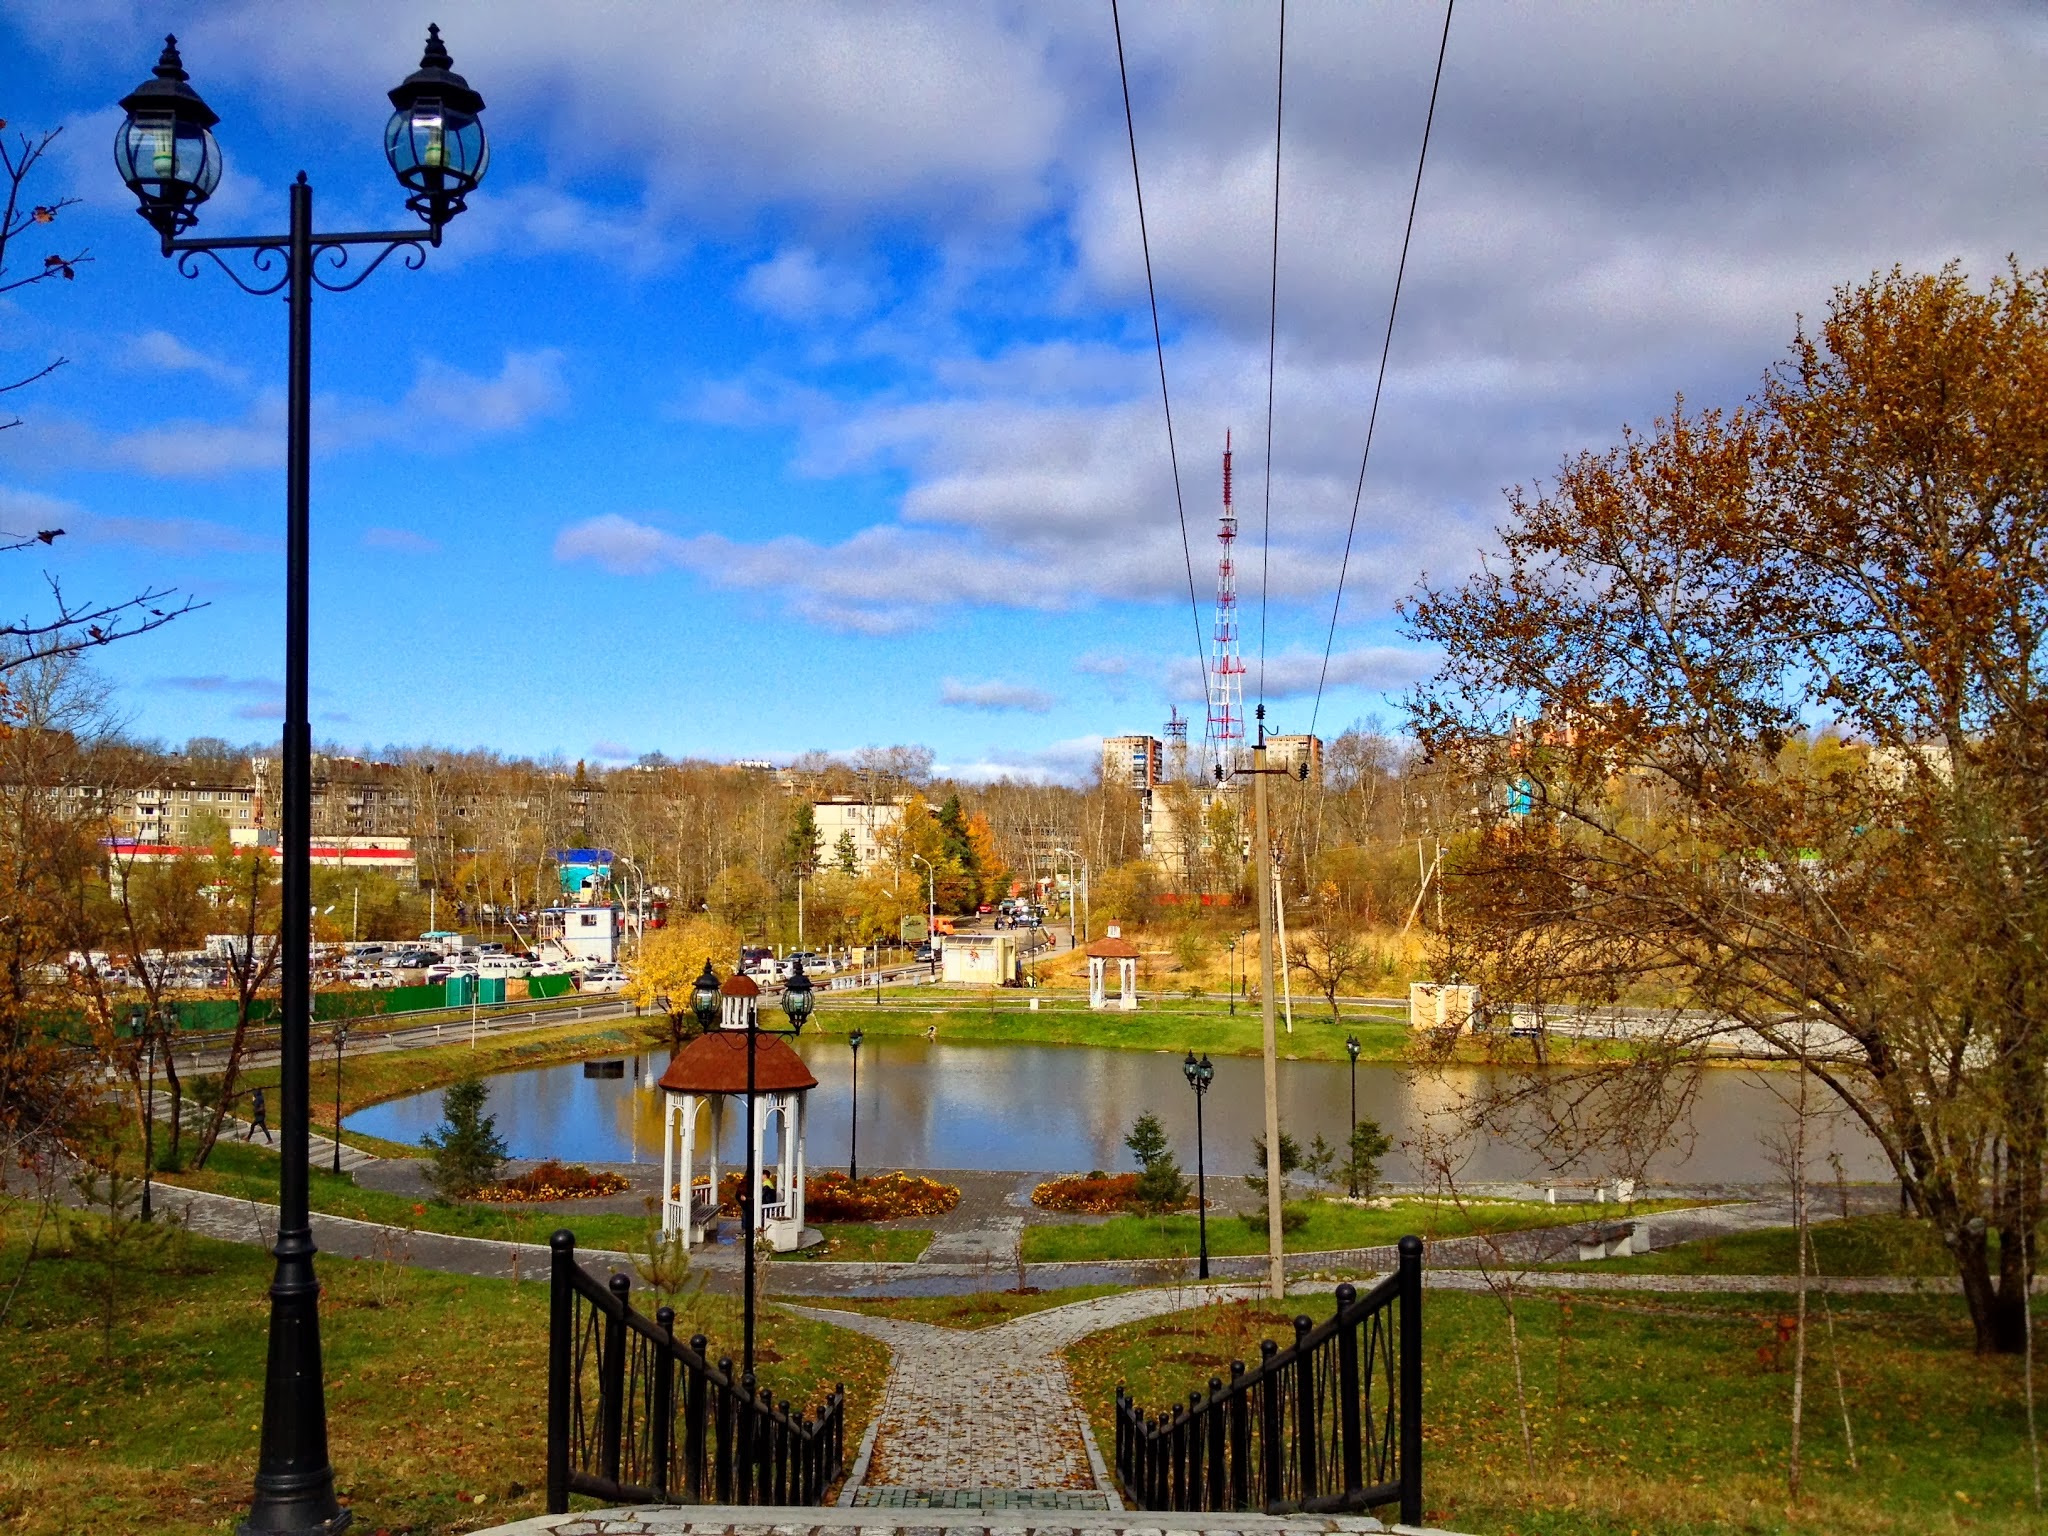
1637 672
664 972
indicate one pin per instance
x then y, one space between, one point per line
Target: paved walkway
991 1410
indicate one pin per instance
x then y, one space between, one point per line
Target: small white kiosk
701 1077
1120 949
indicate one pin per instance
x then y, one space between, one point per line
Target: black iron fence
638 1416
1332 1422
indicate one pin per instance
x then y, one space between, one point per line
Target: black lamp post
340 1039
1232 988
165 152
853 1139
797 1003
1199 1075
1351 1050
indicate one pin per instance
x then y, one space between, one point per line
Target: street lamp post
931 898
798 1001
340 1039
1351 1050
1199 1075
853 1139
165 152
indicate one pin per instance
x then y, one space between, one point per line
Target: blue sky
789 383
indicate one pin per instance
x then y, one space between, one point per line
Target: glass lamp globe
164 148
704 997
797 999
434 139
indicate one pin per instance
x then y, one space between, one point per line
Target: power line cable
1386 347
1159 347
1272 340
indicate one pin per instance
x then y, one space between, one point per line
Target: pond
926 1104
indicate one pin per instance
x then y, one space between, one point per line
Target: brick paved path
991 1412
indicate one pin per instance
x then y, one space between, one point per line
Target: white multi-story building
867 821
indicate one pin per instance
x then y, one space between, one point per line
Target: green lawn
436 1391
858 1242
1329 1226
247 1173
1862 1245
1668 1415
981 1309
1065 1020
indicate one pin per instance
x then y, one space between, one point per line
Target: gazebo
1120 949
702 1076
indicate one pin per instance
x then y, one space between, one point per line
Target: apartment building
1137 763
867 821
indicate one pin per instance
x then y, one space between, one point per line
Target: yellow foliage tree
661 975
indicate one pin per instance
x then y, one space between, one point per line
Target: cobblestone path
712 1520
991 1413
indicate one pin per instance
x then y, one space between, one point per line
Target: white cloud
1103 664
795 285
995 694
161 352
29 512
528 385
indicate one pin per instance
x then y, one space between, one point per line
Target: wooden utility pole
1262 860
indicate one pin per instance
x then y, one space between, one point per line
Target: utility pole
1262 845
1262 878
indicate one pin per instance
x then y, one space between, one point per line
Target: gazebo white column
1096 997
1127 985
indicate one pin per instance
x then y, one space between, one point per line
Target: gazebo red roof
716 1062
1116 948
739 985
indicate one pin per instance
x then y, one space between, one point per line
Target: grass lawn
248 1174
982 1309
436 1390
1330 1225
858 1242
1667 1416
1861 1245
1165 1026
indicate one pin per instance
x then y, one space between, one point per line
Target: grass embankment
855 1242
1860 1245
1669 1415
249 1173
982 1309
1329 1225
436 1389
373 1078
1177 1027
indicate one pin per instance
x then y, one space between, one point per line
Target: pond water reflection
926 1104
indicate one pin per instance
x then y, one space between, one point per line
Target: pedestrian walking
259 1118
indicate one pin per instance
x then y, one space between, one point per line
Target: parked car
926 955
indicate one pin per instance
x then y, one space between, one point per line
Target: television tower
1226 672
1176 746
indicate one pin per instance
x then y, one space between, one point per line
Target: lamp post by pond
165 152
853 1139
340 1039
1199 1075
1351 1050
797 1002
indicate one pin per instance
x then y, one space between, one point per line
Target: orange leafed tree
1754 703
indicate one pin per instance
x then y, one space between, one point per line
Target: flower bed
553 1180
881 1197
1088 1194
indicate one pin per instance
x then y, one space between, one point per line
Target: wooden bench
1614 1241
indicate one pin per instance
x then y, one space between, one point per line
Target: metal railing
1332 1422
638 1416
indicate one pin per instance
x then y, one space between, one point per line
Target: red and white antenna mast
1226 672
